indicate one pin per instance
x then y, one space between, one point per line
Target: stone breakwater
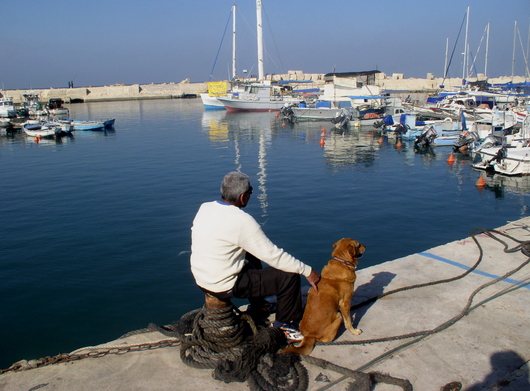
113 93
186 89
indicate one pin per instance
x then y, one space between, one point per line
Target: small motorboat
41 130
93 125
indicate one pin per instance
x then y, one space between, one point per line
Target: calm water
96 228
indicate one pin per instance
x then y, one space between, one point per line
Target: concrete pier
476 334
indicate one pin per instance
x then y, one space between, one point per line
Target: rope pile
217 340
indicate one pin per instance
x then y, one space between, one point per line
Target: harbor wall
113 92
186 89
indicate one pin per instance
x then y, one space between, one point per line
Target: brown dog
327 307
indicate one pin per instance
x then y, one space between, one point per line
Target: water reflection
500 185
341 148
223 127
350 147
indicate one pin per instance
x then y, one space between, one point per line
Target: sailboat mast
513 54
234 72
260 40
464 71
487 49
446 52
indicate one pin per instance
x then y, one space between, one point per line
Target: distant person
227 245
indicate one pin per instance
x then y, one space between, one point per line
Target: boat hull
211 102
93 125
511 161
234 105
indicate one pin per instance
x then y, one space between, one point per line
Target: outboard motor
401 129
466 139
342 119
501 154
426 138
488 142
387 120
288 112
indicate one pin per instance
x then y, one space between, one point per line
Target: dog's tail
306 347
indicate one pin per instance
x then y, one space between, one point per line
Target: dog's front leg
345 312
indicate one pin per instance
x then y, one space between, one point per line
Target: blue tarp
366 97
308 90
294 81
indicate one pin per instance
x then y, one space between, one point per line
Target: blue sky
102 42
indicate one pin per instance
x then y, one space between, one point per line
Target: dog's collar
345 262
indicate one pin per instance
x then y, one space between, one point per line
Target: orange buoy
451 158
480 182
381 140
399 144
277 114
322 142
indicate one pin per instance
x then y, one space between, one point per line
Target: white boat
32 105
217 90
55 108
505 160
512 157
41 130
7 108
211 102
258 97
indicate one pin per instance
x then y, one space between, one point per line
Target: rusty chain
93 352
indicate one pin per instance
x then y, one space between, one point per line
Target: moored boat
31 106
55 108
46 130
7 108
93 124
258 97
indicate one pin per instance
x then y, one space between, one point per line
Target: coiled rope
217 340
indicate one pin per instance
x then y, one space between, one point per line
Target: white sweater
221 236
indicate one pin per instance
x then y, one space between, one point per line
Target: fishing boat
55 108
7 108
93 125
41 130
31 106
512 157
258 97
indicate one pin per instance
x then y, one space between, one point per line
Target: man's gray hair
234 184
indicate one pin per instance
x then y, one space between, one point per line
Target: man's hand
313 279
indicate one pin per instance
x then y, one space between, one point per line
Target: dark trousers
255 282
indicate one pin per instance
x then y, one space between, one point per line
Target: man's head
236 189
